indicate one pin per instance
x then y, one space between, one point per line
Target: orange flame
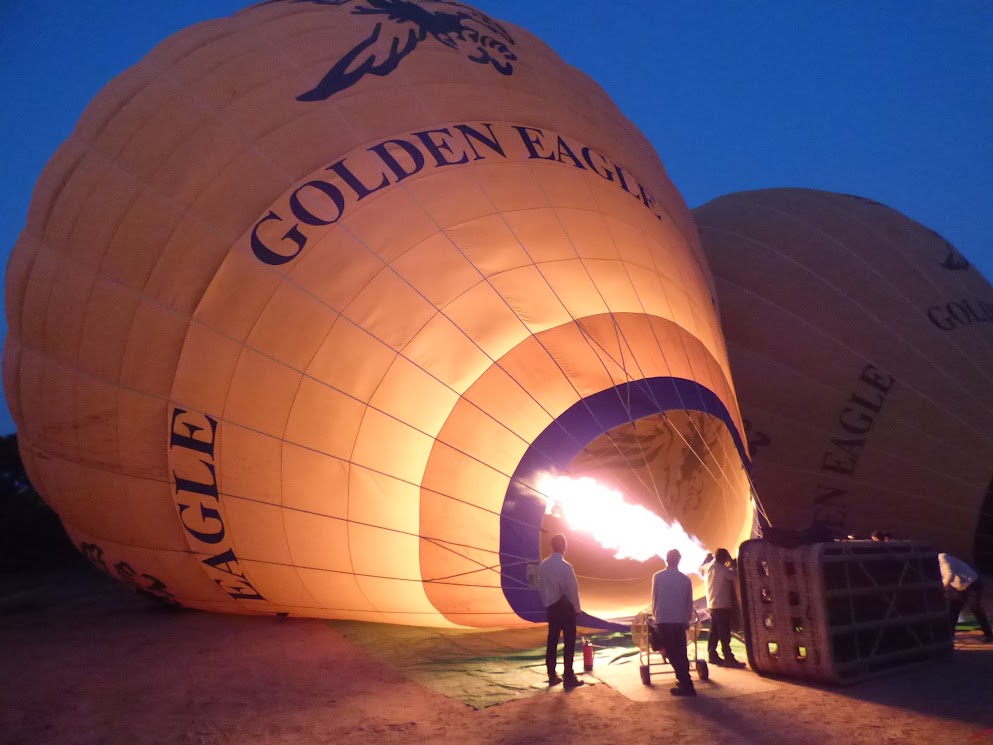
629 530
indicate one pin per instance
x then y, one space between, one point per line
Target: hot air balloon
861 344
315 297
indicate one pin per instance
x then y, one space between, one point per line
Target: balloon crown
407 24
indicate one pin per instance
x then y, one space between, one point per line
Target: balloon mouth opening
628 498
669 450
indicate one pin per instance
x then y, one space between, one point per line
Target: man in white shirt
560 596
720 578
963 586
672 606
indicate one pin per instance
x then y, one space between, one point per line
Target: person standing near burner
560 596
672 606
720 578
963 587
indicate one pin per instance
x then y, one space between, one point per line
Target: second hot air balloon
861 344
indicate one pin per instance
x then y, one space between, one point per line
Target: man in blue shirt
672 606
560 596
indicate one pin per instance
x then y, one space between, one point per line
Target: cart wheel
646 674
702 670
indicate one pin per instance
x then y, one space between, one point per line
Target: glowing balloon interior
314 295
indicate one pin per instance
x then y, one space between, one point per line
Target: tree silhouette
31 535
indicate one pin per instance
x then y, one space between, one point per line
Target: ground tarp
479 668
483 668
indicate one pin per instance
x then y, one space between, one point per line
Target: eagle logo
401 25
954 261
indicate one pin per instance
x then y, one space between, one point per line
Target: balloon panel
860 345
290 336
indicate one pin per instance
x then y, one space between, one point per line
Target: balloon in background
314 296
861 344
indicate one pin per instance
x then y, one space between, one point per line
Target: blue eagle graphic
401 26
954 261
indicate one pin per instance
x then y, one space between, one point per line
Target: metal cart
642 634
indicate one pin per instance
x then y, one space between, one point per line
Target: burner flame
630 530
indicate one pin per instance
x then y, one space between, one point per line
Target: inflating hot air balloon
317 296
861 344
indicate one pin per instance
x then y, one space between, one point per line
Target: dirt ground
86 662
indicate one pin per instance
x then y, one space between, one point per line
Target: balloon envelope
861 344
315 294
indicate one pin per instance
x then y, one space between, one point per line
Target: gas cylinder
587 655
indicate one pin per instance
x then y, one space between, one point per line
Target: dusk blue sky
891 100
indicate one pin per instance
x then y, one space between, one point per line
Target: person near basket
560 596
963 586
672 606
720 578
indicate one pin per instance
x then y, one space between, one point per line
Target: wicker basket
841 611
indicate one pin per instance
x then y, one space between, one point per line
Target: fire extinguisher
587 655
